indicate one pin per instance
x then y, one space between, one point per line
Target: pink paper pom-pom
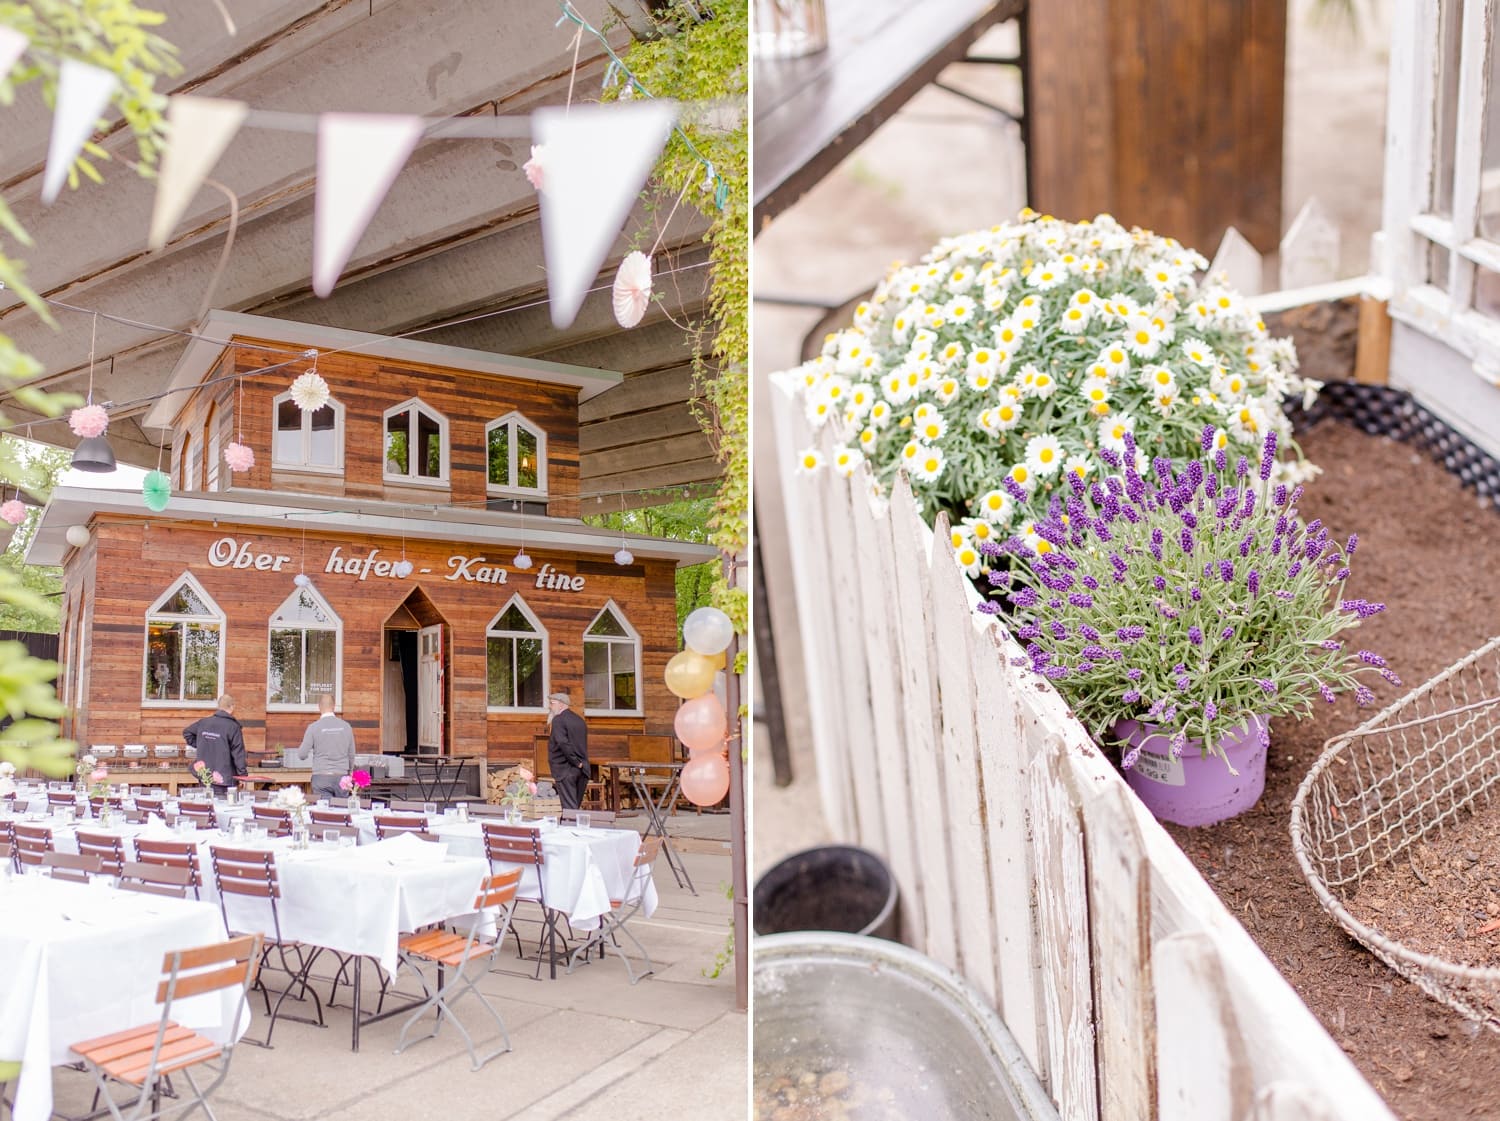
88 421
13 511
535 168
240 457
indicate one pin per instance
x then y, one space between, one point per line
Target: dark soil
1429 551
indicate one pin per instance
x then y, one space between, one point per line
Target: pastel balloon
689 674
705 779
720 660
701 723
707 630
721 689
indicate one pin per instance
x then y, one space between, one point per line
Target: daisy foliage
1009 360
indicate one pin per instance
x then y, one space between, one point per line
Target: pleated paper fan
632 292
156 490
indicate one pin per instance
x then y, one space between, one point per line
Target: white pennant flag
12 44
82 93
200 129
359 157
596 159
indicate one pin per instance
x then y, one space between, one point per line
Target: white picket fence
1024 861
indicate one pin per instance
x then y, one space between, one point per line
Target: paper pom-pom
632 289
301 580
310 391
402 569
77 536
240 457
156 490
522 561
13 511
624 557
536 167
88 421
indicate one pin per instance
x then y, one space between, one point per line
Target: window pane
1489 160
322 443
528 672
1437 266
1445 110
189 464
286 442
1487 292
211 458
514 620
284 670
596 690
499 451
608 624
302 607
429 447
396 441
526 460
624 674
500 653
164 662
321 664
185 601
201 673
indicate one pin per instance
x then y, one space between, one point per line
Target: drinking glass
430 809
463 812
583 820
331 836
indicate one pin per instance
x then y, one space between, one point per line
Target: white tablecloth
78 962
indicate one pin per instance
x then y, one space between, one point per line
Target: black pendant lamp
94 454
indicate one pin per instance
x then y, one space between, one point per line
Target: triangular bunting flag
200 129
12 44
359 157
596 161
82 93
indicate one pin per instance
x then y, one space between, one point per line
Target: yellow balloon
689 674
719 659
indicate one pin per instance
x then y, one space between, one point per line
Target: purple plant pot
1196 789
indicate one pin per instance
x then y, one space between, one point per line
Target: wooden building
377 549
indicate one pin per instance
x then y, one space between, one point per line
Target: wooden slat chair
142 1058
251 873
115 802
621 911
151 805
450 950
517 844
392 825
406 805
61 799
276 819
71 866
603 818
8 839
33 842
201 813
331 816
319 828
155 879
108 847
172 854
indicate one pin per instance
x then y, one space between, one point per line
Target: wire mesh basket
1424 763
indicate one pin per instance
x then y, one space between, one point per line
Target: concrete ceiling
457 237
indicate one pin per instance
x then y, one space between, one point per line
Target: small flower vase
1194 789
354 803
104 814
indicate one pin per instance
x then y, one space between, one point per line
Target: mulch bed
1428 550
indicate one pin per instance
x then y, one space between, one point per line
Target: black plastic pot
833 887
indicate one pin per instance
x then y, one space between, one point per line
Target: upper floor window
516 660
307 441
189 463
611 665
517 451
184 647
416 443
211 450
305 658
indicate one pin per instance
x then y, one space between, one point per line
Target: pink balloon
705 779
701 723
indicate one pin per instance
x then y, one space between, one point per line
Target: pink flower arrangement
355 782
205 776
13 511
88 421
239 457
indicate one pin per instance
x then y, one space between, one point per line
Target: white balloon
721 688
707 630
77 536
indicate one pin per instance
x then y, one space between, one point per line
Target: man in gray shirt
330 740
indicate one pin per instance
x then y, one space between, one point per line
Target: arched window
184 663
306 652
307 441
416 443
189 461
517 451
211 451
611 665
516 660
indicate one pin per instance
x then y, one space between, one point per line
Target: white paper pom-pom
310 391
522 561
402 569
301 580
624 557
632 292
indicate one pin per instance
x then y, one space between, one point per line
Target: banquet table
80 961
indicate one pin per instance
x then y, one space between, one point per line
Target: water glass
378 807
237 829
331 836
583 820
463 812
430 809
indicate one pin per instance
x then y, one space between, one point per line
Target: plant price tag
1160 768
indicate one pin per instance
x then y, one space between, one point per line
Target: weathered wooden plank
650 453
1205 1069
676 419
653 389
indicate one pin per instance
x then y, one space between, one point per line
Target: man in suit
219 743
568 752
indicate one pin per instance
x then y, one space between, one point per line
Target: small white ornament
402 569
77 536
632 291
301 580
521 561
624 556
310 391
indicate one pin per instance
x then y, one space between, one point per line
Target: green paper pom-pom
157 491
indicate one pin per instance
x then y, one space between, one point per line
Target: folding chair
252 873
621 911
33 842
151 805
448 949
8 841
596 817
406 805
516 844
61 800
276 819
391 825
331 816
143 1057
108 847
202 813
96 805
172 854
71 866
155 879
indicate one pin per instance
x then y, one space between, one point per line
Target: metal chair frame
518 844
108 847
33 842
621 912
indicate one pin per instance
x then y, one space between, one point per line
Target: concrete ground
585 1046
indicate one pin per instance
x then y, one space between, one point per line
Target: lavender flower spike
1268 457
1267 686
1207 439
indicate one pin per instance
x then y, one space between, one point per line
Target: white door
430 688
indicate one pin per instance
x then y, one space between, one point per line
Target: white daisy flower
960 535
960 279
983 358
1116 359
846 460
1074 320
909 452
820 410
1200 352
1247 422
1047 275
809 461
865 315
979 378
1226 384
1022 475
893 386
951 353
1220 441
931 429
1007 416
1142 338
970 560
993 297
901 326
928 465
1034 541
995 507
1044 455
1096 393
1112 430
979 529
1158 379
933 316
959 310
861 398
1163 400
1080 465
986 422
880 414
1008 334
867 438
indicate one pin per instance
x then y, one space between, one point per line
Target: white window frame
213 467
189 460
1410 227
411 405
337 627
633 637
216 616
493 631
303 465
515 421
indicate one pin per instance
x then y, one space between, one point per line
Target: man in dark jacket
219 743
568 752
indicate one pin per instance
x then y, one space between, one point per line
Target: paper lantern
156 489
624 556
13 511
701 723
707 630
88 421
705 779
310 391
77 536
402 569
632 291
239 457
689 674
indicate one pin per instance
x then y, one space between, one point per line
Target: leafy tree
686 519
42 582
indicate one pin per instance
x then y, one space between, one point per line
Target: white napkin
407 849
156 829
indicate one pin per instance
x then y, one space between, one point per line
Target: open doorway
414 708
